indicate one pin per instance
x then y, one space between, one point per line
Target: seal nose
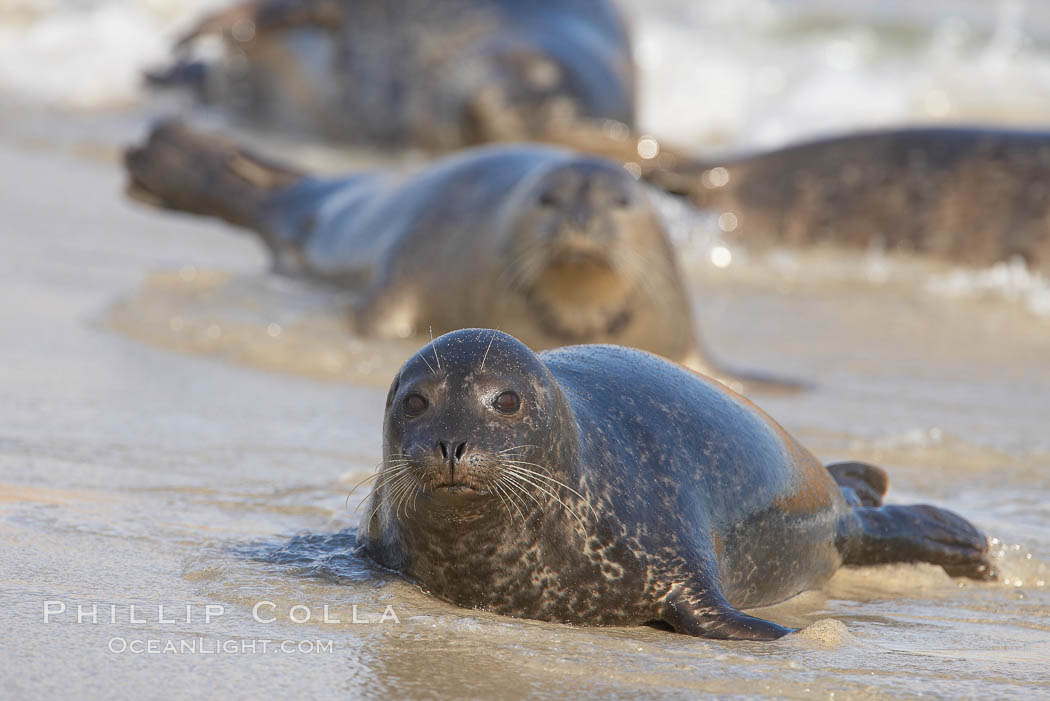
581 215
452 451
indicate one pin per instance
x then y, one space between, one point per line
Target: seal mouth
582 260
456 488
582 301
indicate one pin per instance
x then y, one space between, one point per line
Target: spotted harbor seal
552 246
437 74
602 485
969 196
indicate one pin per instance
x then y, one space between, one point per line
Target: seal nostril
443 447
460 449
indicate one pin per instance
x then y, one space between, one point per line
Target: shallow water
180 428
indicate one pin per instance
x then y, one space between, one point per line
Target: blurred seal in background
969 196
437 74
555 247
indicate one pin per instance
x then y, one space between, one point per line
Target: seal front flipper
709 615
385 310
861 483
918 533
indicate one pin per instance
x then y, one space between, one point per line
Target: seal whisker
424 359
487 349
518 476
385 477
434 347
496 489
517 447
517 466
375 510
501 489
516 491
407 488
372 476
526 462
393 482
346 504
382 466
415 495
400 493
518 488
548 482
546 475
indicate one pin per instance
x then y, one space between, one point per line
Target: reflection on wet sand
264 321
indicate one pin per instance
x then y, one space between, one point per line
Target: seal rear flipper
709 615
745 381
867 482
656 162
919 533
181 169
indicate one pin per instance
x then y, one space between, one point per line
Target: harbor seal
968 196
436 74
602 485
555 247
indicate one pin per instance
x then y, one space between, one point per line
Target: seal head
461 413
584 240
460 417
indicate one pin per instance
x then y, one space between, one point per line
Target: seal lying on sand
555 247
439 74
969 196
601 485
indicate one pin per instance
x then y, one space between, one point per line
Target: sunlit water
181 428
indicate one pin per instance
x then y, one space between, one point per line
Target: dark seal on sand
969 196
601 485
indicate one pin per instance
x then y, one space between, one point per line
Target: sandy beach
181 429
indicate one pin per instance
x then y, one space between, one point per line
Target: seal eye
621 200
507 402
415 404
547 199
